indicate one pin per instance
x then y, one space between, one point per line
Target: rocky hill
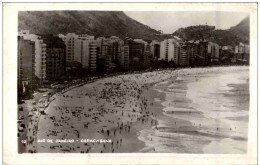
98 23
232 36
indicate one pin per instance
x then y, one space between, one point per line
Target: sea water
203 113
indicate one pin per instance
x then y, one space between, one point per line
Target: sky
169 22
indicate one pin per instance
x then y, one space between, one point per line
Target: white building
74 44
40 53
169 50
80 48
213 51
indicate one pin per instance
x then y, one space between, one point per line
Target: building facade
183 58
55 57
109 53
26 65
213 52
155 49
80 49
169 50
136 54
40 54
124 57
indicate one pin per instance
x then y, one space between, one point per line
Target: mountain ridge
117 23
98 23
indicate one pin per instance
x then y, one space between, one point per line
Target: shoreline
137 127
209 140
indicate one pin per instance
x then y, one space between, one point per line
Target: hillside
232 36
242 29
98 23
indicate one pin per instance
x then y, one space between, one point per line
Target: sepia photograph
130 81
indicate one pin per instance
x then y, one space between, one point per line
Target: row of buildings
43 59
189 53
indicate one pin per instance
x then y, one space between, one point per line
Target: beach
159 111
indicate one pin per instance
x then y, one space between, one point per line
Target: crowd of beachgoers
113 109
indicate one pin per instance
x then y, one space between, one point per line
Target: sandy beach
122 114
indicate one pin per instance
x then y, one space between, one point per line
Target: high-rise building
124 57
183 58
93 57
136 54
26 65
81 49
242 51
108 53
40 54
74 43
213 51
216 52
169 50
191 53
203 52
55 57
155 49
147 56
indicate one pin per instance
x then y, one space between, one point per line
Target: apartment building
40 54
183 58
155 49
109 52
74 43
55 57
26 65
213 51
169 50
124 57
203 52
242 51
80 48
136 54
93 57
147 56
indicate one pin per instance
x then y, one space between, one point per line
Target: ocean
202 113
